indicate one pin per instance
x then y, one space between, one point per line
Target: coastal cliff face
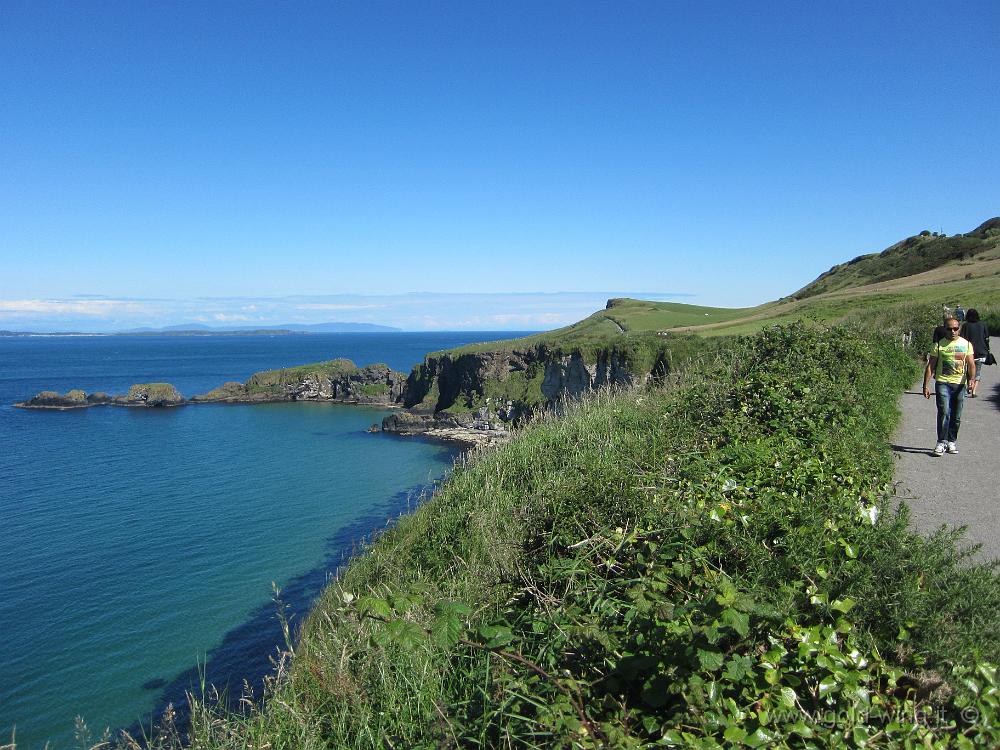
487 391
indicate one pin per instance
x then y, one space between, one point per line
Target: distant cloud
527 319
336 306
224 318
86 307
416 311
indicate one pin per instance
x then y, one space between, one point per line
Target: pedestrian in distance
954 368
941 331
977 333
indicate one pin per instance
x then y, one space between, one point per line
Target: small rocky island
470 395
338 380
141 394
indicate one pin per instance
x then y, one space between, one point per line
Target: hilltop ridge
917 254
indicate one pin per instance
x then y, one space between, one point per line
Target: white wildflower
869 513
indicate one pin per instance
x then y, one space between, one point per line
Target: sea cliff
484 393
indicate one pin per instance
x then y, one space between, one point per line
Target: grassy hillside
711 563
621 318
914 255
928 269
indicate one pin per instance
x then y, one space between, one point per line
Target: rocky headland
477 397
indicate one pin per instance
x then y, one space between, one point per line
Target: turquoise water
139 546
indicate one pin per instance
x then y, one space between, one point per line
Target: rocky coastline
472 429
470 398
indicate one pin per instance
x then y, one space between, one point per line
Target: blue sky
172 162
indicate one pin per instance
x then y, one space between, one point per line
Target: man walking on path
965 494
954 367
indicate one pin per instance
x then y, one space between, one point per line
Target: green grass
605 327
696 565
981 293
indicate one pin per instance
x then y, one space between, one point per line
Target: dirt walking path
953 490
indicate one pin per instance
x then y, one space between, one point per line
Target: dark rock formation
492 390
470 428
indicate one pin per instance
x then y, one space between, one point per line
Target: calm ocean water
138 547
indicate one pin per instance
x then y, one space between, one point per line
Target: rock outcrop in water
141 394
470 397
478 428
338 380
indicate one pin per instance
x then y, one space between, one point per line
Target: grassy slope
912 256
604 327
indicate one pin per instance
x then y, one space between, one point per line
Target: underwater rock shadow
246 651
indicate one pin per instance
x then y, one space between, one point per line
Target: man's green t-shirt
951 360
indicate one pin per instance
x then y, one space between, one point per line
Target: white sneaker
939 449
952 448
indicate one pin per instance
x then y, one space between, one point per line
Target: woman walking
976 332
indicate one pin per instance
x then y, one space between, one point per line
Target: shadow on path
993 399
246 651
912 449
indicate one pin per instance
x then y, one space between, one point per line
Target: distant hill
923 252
200 329
339 328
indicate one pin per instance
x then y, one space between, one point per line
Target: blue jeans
950 400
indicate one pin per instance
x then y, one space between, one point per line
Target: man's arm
931 364
970 368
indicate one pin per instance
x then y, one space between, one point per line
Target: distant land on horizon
200 329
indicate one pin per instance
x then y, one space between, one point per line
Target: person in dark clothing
976 332
941 332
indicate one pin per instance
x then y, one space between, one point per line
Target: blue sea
138 547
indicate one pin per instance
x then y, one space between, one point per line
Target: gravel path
953 490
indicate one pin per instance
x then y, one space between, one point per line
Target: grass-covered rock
335 380
152 394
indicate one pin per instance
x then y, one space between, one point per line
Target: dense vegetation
713 562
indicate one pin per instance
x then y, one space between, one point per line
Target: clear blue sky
156 154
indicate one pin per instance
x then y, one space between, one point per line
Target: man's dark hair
972 316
